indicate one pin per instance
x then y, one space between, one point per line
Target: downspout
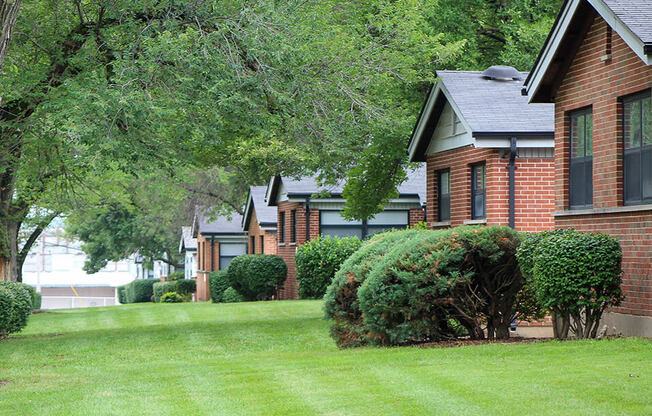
307 218
511 167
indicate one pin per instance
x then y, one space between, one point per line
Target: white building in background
54 267
188 248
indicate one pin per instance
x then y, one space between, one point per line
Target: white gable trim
559 31
421 123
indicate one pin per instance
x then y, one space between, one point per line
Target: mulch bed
469 342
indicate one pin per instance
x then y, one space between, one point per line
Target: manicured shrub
341 298
35 296
218 282
186 287
465 275
140 290
257 276
122 294
181 287
318 260
171 297
15 307
177 275
161 288
231 295
577 276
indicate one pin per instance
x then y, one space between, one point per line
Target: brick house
218 242
259 221
303 212
596 68
188 249
488 152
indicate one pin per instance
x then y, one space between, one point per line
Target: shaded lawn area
271 358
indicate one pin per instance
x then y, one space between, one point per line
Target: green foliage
576 276
341 298
122 294
140 290
171 297
15 307
218 282
422 225
318 260
178 275
257 276
34 296
231 295
161 288
181 287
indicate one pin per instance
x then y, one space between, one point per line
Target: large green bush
122 294
15 307
34 296
318 260
424 289
186 287
218 282
576 276
341 298
257 276
140 290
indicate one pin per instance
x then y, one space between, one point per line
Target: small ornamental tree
341 298
318 260
577 276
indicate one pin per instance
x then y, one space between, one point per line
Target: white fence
66 302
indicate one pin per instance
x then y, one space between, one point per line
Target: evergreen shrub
140 290
341 298
318 260
218 282
15 307
171 297
231 295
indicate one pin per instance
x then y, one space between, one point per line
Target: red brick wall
593 82
269 237
207 261
534 198
416 215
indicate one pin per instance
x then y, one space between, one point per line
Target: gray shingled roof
490 106
189 242
414 185
222 225
265 214
636 15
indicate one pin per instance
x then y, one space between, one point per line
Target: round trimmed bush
231 295
257 276
219 282
161 288
318 260
171 297
577 276
15 307
341 298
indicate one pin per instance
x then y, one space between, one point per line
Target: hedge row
16 303
257 276
183 288
140 290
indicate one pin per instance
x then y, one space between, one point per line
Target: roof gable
257 203
630 19
187 241
491 110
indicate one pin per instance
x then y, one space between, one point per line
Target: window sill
281 244
598 211
440 224
476 222
292 244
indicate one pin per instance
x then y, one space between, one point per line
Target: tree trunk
8 15
9 261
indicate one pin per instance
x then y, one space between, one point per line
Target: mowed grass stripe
276 358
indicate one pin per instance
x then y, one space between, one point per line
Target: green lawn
277 358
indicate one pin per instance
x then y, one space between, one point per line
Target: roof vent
501 73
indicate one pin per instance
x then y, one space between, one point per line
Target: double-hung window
252 245
262 244
581 159
229 251
637 163
293 235
281 228
478 196
443 195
